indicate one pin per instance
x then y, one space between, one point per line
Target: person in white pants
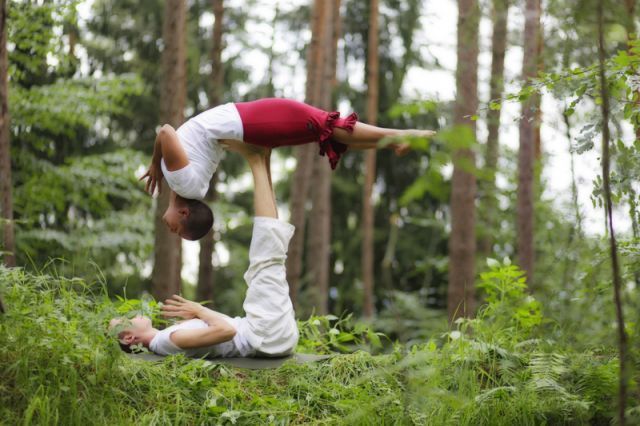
269 327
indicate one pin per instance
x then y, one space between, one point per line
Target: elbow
166 128
230 332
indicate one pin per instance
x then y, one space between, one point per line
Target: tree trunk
526 153
5 147
537 122
370 165
462 243
630 26
304 159
168 247
630 7
617 280
206 272
499 16
320 220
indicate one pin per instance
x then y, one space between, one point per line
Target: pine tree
304 160
462 244
499 17
320 218
370 164
526 153
165 276
6 201
206 273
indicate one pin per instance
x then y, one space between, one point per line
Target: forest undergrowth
58 365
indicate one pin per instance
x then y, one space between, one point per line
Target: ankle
254 158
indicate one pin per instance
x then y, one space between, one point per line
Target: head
191 219
133 331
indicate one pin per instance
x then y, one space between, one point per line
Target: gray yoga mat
250 363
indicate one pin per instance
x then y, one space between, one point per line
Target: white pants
269 326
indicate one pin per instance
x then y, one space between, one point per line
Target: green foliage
89 212
67 109
326 334
509 309
32 31
59 366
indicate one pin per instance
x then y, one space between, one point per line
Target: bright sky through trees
436 40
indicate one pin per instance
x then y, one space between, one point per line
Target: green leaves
324 334
47 118
509 309
432 182
412 109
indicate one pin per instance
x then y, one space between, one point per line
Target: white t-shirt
199 137
238 346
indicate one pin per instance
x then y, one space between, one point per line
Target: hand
177 306
154 175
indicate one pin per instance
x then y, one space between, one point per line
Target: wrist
199 310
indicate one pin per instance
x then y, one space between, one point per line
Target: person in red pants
188 157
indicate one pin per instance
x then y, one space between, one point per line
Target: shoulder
162 344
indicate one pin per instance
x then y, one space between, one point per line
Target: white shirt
199 137
238 346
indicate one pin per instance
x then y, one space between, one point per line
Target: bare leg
258 158
264 203
366 136
268 166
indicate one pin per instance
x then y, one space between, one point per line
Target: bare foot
403 148
247 150
420 133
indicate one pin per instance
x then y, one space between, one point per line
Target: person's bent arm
168 147
219 330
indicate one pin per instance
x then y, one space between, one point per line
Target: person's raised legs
366 136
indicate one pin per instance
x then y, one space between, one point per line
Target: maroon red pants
275 122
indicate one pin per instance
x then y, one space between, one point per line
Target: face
140 323
173 219
134 328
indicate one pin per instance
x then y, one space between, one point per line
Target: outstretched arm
169 148
219 330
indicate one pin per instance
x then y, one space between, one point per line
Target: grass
57 366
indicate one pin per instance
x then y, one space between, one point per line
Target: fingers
177 306
172 314
179 298
167 308
175 300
